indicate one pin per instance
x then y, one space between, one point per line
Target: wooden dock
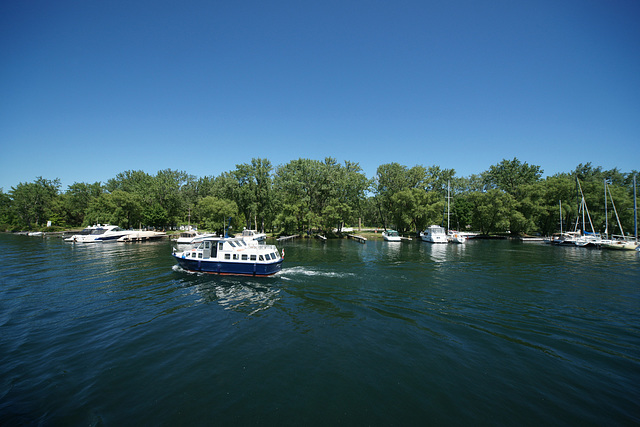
357 238
285 238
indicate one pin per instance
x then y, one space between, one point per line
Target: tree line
307 195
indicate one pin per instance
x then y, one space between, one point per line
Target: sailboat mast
635 209
606 217
448 206
561 217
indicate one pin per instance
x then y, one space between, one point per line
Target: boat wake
291 272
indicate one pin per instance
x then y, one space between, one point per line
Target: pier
357 238
285 238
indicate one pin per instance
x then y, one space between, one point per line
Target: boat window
207 245
227 256
233 245
261 258
220 245
235 256
98 231
245 257
274 256
268 256
199 254
253 257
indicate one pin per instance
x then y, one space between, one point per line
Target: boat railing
621 237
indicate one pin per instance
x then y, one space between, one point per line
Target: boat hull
621 246
229 268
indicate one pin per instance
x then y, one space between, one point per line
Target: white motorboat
232 256
253 237
567 238
434 234
391 236
190 237
100 233
456 237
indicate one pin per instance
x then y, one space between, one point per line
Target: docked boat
190 237
230 256
253 237
568 238
434 234
391 236
590 240
142 236
622 245
456 237
622 242
100 233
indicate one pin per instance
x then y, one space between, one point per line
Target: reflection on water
245 295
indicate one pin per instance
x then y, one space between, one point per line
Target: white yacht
99 233
190 237
252 236
434 234
391 236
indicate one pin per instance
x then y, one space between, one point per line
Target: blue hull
229 268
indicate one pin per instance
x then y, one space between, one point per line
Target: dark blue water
487 333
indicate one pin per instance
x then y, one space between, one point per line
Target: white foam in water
305 271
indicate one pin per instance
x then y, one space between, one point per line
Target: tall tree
510 175
32 202
77 199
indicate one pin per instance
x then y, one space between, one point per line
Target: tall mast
635 209
606 217
448 206
561 217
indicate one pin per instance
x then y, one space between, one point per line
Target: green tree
77 198
100 210
490 211
510 175
214 213
32 203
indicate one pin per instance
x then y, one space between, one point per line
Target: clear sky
89 89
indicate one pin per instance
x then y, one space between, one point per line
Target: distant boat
100 233
391 236
252 236
35 234
623 242
456 237
434 234
190 237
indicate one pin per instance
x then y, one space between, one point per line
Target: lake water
486 333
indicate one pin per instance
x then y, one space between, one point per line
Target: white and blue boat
99 234
230 256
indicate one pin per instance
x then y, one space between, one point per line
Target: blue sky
93 88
